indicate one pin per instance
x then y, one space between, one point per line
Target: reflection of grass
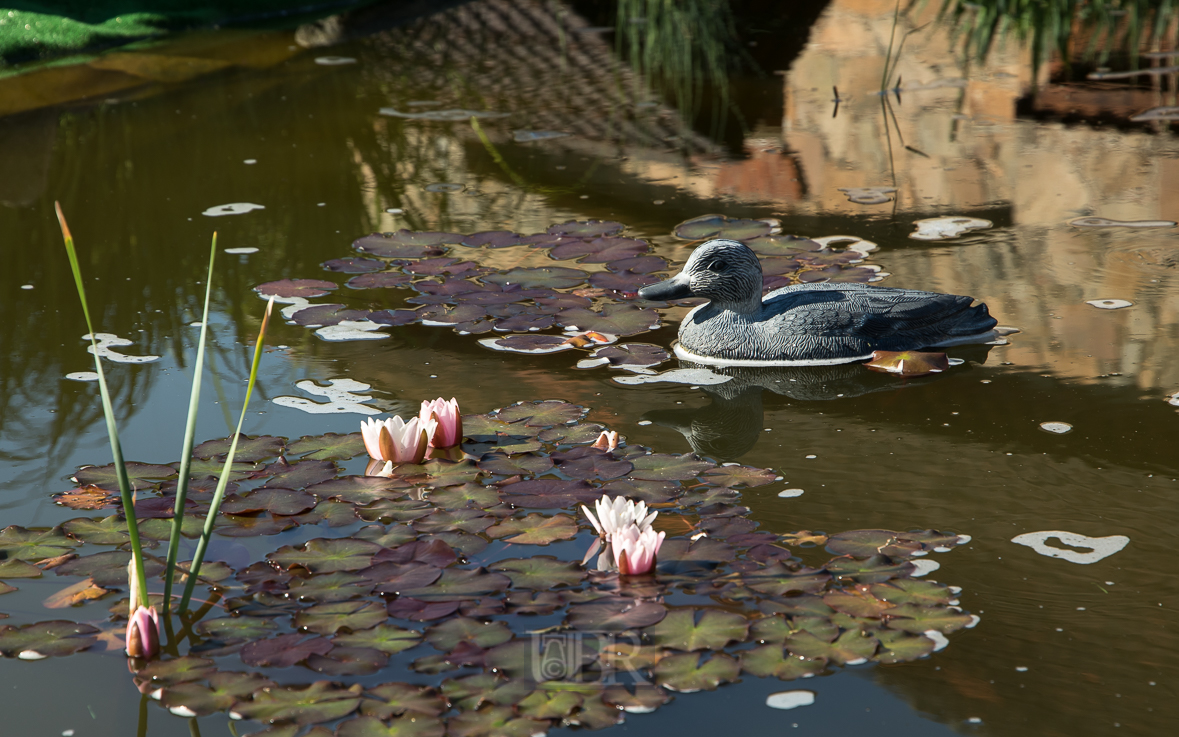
1112 26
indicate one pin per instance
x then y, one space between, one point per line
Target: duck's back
828 323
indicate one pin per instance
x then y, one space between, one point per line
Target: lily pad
318 316
548 493
383 637
390 700
543 704
405 244
354 265
546 413
450 634
600 250
917 618
529 277
850 648
493 239
686 674
908 363
108 568
249 449
540 572
46 639
736 475
329 587
418 610
322 701
467 496
901 647
866 543
380 280
177 670
460 584
586 228
228 629
614 319
360 489
274 500
666 467
292 288
367 726
628 356
615 614
18 543
348 661
911 591
224 690
494 721
283 651
876 569
534 529
773 660
324 555
681 629
139 474
719 226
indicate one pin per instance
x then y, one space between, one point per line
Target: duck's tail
971 325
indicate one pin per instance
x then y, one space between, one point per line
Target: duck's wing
880 318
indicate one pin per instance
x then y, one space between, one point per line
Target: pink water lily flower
635 550
143 633
450 422
396 440
616 513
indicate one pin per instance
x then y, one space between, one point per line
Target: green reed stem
202 544
189 437
108 412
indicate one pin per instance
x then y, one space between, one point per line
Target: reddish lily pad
902 647
276 501
628 355
367 726
18 543
719 226
493 239
735 475
908 363
686 674
421 611
600 250
615 614
298 475
666 467
540 572
529 344
531 277
354 265
544 413
290 288
395 699
283 651
361 489
866 543
249 449
224 690
595 465
87 497
139 474
614 319
548 493
918 618
913 591
405 244
586 228
460 584
712 630
348 661
324 555
851 647
319 702
522 465
534 529
318 316
46 639
393 578
380 280
876 569
625 282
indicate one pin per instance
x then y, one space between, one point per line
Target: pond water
1066 427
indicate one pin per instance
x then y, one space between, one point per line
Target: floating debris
1057 428
1109 304
241 251
1096 222
522 136
868 195
26 286
334 61
938 229
790 699
790 493
82 376
692 377
103 349
346 330
909 363
1173 399
341 395
442 115
233 208
1099 547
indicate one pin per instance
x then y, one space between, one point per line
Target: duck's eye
716 266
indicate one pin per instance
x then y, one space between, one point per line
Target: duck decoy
806 324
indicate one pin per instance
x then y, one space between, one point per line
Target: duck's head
723 271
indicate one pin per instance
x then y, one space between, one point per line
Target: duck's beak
676 287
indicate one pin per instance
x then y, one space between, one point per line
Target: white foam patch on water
923 567
790 699
790 493
106 340
233 208
588 363
644 422
1110 304
341 395
334 61
1099 547
241 251
1058 428
249 161
699 377
351 330
937 229
939 640
82 376
26 286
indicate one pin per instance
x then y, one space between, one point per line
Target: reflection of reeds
1110 27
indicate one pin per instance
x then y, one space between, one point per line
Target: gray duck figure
806 324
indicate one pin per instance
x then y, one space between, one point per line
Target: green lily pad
913 591
18 569
440 473
521 465
615 614
161 529
324 555
283 651
202 467
299 475
686 674
534 529
330 512
451 633
849 648
388 537
390 700
644 699
876 569
249 449
46 639
176 670
494 721
614 319
594 464
406 244
229 629
917 618
540 572
901 647
140 475
361 489
384 637
329 587
713 630
666 467
386 510
482 426
532 602
856 603
473 496
532 277
107 569
224 690
327 619
18 543
571 434
545 413
348 661
464 520
719 226
732 475
305 288
458 583
471 692
367 726
775 628
542 704
772 660
322 701
6 589
867 543
328 447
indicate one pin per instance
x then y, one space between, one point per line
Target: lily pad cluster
576 279
454 596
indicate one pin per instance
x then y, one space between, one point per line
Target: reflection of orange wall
767 174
